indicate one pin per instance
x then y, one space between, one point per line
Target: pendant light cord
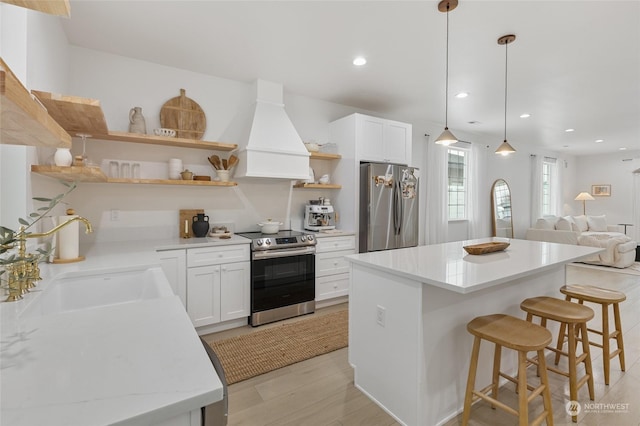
506 64
446 90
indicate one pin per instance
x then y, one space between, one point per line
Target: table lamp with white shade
584 197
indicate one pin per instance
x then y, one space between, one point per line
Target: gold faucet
23 274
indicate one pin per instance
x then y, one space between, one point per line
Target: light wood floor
320 391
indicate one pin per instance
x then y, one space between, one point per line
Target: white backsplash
127 212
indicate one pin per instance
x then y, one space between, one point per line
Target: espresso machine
319 215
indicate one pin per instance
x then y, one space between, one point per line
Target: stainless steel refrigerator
388 207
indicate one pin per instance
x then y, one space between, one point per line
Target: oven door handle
268 254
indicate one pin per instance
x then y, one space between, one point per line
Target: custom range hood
268 144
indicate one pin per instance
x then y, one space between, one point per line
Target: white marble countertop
131 363
338 233
330 233
448 266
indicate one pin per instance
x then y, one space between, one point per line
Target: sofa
593 231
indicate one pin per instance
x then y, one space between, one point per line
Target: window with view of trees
457 183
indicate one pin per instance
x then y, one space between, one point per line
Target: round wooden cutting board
183 115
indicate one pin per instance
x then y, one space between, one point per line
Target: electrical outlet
381 315
115 215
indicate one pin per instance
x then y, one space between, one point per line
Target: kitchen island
408 310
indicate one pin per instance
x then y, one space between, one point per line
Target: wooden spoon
215 162
224 163
233 160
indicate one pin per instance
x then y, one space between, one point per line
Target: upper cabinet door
383 140
397 142
371 138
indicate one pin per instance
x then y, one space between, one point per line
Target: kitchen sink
85 291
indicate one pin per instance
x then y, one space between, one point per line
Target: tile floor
320 391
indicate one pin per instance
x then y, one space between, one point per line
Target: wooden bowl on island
485 248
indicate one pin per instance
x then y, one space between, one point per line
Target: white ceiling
575 64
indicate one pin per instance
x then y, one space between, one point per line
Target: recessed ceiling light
359 61
599 140
565 146
462 95
473 122
525 115
570 130
622 149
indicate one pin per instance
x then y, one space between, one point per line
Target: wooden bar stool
604 297
521 336
574 317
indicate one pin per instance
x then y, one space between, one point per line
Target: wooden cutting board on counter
187 215
183 115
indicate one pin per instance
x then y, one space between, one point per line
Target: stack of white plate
175 168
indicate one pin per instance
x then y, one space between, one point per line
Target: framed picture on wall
601 190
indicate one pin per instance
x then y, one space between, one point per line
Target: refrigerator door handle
397 208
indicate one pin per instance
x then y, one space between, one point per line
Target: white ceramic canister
63 157
175 168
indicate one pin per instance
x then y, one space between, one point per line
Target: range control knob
310 237
259 242
303 238
268 241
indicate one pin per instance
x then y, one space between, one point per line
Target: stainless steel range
282 275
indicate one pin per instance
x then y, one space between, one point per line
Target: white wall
34 46
146 211
609 169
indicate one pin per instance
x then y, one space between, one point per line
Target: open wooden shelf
73 113
71 173
160 140
83 115
317 186
172 182
96 175
324 156
23 121
52 7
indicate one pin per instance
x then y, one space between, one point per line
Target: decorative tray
485 248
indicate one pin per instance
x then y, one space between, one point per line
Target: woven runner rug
249 355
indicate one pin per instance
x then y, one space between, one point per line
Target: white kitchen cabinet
235 290
337 243
331 287
216 255
382 140
218 283
203 295
332 270
174 266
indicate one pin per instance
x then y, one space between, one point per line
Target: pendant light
447 138
505 148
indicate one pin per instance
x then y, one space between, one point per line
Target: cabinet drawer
204 256
332 286
335 244
332 263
